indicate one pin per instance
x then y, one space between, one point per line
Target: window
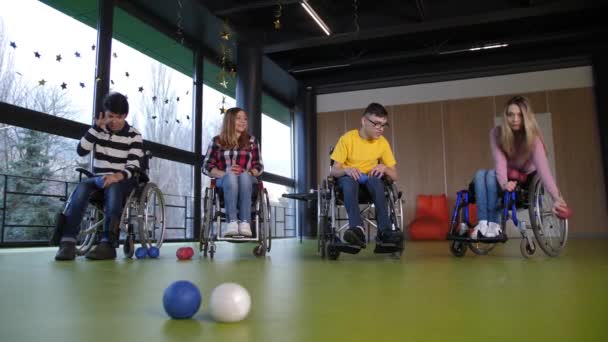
50 69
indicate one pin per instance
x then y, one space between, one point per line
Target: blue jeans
237 189
114 197
486 194
375 186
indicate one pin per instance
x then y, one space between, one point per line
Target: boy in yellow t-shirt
364 157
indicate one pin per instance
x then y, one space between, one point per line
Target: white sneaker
482 227
232 229
245 229
493 229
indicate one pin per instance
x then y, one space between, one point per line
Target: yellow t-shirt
363 154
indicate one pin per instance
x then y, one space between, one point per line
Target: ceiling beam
221 12
448 23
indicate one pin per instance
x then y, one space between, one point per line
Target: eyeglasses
378 125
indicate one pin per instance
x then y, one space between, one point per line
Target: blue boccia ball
153 252
141 253
99 182
363 178
182 299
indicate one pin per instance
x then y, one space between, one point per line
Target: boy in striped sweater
117 149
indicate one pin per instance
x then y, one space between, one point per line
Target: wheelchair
215 216
549 232
142 219
331 227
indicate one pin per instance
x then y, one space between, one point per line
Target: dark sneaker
67 251
390 236
355 236
103 251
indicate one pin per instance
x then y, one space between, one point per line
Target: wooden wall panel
330 126
578 158
467 125
418 148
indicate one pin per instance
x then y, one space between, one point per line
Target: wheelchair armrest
84 171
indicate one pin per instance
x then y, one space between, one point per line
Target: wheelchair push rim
550 231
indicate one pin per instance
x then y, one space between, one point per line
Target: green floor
428 295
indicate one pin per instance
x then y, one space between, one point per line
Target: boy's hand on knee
353 172
378 170
111 179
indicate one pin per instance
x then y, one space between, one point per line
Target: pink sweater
536 162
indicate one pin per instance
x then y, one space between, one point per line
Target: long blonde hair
228 137
530 126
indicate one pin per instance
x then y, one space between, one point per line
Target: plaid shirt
248 158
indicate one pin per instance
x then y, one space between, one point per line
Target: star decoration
58 58
166 101
154 98
64 86
222 110
42 82
115 55
177 99
77 54
13 45
127 74
166 121
81 85
93 47
141 89
224 83
36 54
188 117
176 120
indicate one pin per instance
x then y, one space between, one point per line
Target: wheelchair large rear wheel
550 231
152 222
207 220
322 218
90 227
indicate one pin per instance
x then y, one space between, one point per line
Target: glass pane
276 147
175 181
213 101
48 67
282 211
160 98
35 169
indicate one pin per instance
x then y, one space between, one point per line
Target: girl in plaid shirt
233 157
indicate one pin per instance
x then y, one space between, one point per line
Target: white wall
476 87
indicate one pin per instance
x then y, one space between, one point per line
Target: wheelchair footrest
500 238
346 248
387 248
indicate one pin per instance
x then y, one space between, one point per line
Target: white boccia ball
229 302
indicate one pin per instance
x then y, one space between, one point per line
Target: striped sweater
114 151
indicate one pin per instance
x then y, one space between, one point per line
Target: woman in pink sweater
519 151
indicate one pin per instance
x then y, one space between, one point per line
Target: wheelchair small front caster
259 251
332 252
129 247
458 248
527 249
